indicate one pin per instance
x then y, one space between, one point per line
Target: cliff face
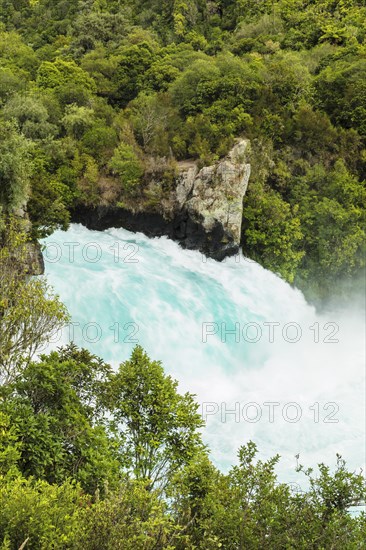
35 261
203 212
211 200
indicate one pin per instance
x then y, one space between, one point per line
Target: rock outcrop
210 202
35 260
203 212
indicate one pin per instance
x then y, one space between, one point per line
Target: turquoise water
233 333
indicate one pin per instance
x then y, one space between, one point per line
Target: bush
272 232
46 516
126 165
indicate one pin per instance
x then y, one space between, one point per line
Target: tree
14 52
77 120
15 167
312 132
29 311
194 89
101 67
62 72
193 493
332 219
127 166
99 141
159 426
151 116
286 82
254 510
97 27
48 203
134 61
272 231
9 446
55 404
67 81
31 116
341 93
334 493
255 506
128 519
12 80
37 515
88 184
185 14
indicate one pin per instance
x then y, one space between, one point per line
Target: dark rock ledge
204 212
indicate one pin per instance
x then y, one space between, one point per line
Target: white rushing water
263 364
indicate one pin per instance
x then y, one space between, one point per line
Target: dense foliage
95 459
98 97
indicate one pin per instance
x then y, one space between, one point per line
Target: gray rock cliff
213 199
202 212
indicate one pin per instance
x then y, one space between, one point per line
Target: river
263 363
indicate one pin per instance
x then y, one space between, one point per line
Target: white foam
169 293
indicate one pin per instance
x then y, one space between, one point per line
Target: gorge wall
203 212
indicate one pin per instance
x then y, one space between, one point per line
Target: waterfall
263 363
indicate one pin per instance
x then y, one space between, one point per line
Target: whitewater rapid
263 364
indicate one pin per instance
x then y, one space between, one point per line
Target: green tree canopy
271 232
15 167
160 426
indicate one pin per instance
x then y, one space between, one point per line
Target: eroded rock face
213 199
203 212
35 261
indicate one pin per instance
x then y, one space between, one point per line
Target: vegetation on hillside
99 97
